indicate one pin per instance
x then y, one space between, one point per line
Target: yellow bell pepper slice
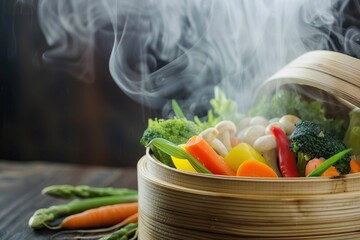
240 153
183 164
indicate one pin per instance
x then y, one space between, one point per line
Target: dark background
48 115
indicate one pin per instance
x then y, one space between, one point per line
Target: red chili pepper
286 157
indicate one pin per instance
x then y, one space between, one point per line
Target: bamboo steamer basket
175 204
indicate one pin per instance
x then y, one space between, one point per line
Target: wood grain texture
21 184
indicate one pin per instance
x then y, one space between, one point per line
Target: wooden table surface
21 185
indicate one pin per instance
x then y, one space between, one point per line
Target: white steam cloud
181 48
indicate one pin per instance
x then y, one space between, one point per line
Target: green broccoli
309 141
177 131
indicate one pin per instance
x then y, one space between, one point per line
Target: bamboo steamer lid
179 205
331 72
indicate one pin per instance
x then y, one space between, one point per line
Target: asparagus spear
122 233
42 217
84 191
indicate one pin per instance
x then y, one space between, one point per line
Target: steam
163 49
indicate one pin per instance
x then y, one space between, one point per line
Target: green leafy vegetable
289 102
224 107
352 135
178 112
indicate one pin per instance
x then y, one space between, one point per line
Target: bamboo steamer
179 205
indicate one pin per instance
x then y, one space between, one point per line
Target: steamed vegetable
224 107
183 164
309 141
289 102
286 158
177 131
352 136
354 166
240 153
43 217
253 168
328 163
205 154
173 150
316 162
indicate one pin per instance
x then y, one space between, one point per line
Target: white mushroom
226 130
259 121
265 143
244 123
209 136
250 134
288 121
267 147
274 120
276 124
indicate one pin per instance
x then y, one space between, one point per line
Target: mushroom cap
258 120
209 134
226 125
265 143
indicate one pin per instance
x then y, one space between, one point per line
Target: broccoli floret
177 131
309 141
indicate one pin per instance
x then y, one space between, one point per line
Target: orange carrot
205 154
253 168
354 166
100 217
314 163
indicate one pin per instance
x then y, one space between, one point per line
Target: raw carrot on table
314 163
101 217
253 168
205 154
133 219
43 217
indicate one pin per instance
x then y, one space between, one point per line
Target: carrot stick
131 219
354 166
44 216
253 168
314 163
100 217
205 154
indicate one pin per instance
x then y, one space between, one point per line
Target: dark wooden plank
21 184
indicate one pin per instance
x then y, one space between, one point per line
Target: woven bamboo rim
181 205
